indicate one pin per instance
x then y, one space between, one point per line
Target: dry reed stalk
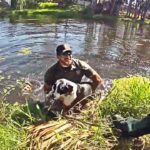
71 133
44 135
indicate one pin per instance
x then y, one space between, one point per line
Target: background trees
137 9
133 8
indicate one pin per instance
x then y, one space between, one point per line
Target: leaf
2 58
25 51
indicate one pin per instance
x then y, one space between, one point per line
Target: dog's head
64 90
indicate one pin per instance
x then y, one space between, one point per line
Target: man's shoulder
78 61
53 67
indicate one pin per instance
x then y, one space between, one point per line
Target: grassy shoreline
131 93
72 12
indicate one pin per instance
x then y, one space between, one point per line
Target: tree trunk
113 5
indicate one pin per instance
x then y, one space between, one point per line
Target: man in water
69 68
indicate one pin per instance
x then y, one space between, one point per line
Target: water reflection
114 50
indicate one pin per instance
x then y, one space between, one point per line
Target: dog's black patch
64 89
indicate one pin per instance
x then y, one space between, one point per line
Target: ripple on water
99 41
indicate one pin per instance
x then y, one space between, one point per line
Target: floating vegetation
25 51
1 77
2 58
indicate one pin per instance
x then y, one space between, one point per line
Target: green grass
74 11
13 119
147 21
130 97
53 10
12 138
47 5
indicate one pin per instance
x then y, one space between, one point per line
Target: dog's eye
62 87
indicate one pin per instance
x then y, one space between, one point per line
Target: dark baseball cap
63 48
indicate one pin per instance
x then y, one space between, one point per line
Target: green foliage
26 114
47 5
22 4
4 111
12 138
74 11
75 8
13 118
130 97
87 13
105 18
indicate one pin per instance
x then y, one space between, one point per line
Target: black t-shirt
73 73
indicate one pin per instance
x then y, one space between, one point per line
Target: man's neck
63 65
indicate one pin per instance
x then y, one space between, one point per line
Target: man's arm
48 80
46 88
92 74
97 80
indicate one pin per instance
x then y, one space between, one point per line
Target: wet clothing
73 73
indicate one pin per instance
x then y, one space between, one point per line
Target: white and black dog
69 93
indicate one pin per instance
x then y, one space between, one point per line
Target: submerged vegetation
91 129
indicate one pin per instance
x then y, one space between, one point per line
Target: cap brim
68 50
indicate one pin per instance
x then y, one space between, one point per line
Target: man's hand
47 88
102 86
97 80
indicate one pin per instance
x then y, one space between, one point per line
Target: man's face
65 59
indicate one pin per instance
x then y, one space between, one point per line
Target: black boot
120 123
131 127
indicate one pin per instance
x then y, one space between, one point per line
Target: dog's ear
70 88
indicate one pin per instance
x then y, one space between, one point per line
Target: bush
22 4
47 5
130 97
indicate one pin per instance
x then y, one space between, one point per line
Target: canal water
115 50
